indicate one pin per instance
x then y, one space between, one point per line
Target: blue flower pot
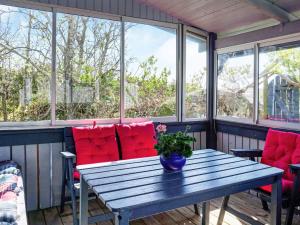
174 162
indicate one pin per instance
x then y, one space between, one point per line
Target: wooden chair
282 150
68 181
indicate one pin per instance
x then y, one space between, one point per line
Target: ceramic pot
173 162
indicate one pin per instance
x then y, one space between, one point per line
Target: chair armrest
247 152
295 168
68 155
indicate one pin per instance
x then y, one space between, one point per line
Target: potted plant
173 148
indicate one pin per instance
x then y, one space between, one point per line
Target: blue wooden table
138 188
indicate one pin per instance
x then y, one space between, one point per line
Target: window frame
256 120
201 35
180 37
231 49
123 118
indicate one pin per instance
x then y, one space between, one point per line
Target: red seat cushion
281 149
287 186
95 145
137 140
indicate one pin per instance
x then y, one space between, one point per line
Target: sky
143 41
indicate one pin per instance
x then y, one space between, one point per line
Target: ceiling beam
272 10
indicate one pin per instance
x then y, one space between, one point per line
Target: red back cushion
137 140
95 144
279 151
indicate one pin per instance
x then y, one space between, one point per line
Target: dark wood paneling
270 32
30 136
246 130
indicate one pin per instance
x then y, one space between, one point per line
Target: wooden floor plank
243 202
36 218
52 216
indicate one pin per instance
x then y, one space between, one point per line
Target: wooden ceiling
221 16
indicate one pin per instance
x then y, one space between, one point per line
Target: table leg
222 210
83 202
276 202
205 213
122 218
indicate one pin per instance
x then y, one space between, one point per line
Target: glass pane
195 83
150 76
25 65
235 84
279 83
88 67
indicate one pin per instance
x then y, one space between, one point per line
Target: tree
148 91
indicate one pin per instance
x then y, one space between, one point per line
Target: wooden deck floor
244 202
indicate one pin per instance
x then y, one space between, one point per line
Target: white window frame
201 35
231 49
180 36
176 118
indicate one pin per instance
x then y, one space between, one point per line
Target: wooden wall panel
219 141
31 172
45 172
130 8
197 144
5 153
18 155
253 143
203 139
231 142
227 141
246 142
56 148
238 142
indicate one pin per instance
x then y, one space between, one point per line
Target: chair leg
264 204
63 197
63 189
197 211
74 207
222 211
290 214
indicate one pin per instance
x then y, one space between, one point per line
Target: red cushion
95 144
137 140
279 149
287 186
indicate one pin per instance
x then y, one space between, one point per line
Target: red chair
282 150
88 145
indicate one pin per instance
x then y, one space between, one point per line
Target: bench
12 200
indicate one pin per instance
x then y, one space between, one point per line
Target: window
93 74
235 84
195 77
88 67
150 71
25 64
279 83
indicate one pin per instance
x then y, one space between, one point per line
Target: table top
129 184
